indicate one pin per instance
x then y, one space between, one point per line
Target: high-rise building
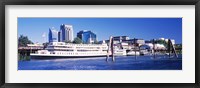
66 33
53 35
87 36
59 37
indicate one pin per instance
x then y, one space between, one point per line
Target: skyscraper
59 37
53 35
66 33
87 36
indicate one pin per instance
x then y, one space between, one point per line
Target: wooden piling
31 49
135 47
109 47
169 48
112 50
154 49
174 50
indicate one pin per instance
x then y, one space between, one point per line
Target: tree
178 46
23 41
161 42
68 41
45 45
96 42
77 40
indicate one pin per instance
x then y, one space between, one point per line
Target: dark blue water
99 63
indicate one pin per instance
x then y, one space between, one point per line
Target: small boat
133 53
120 52
166 53
144 52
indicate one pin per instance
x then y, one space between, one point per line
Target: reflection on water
99 63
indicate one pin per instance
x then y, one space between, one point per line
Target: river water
161 62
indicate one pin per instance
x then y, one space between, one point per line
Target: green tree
23 41
178 46
77 40
68 41
45 45
96 42
161 42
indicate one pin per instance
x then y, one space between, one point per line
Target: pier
169 50
27 50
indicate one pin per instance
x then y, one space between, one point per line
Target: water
121 63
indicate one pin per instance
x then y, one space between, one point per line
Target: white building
172 40
150 46
161 38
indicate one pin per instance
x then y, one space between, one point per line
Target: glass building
53 35
87 36
59 37
66 33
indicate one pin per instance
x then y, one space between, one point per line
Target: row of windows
59 47
61 53
76 47
74 50
87 50
60 50
88 47
78 44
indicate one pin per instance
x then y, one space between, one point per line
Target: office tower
87 36
66 33
53 35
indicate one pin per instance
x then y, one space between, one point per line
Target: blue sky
143 28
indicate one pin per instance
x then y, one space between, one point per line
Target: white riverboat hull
65 50
43 56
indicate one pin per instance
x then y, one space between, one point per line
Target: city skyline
143 28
